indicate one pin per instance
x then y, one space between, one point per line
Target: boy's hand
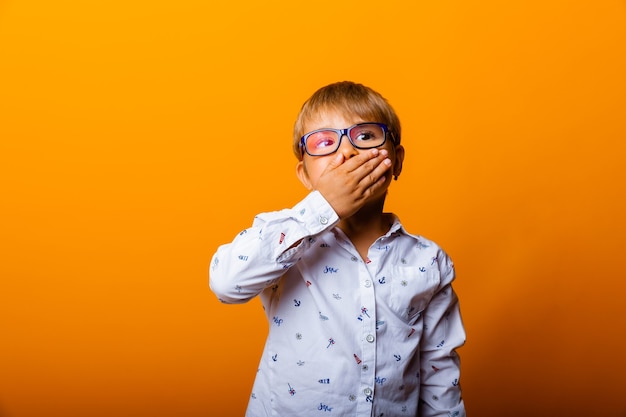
347 184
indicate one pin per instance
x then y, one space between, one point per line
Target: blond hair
349 98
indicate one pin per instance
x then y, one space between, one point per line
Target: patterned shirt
347 336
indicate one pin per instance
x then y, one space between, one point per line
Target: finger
373 168
375 175
362 158
334 163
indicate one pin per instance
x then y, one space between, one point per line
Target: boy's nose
347 149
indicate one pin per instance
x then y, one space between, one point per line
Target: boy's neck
365 226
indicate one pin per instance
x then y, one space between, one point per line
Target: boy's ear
397 166
303 176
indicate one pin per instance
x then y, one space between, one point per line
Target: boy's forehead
331 117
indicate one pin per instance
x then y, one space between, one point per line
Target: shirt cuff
315 213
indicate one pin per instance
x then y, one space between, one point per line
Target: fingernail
387 162
384 152
375 152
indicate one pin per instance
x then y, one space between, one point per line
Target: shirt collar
398 229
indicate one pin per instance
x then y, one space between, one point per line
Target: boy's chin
377 200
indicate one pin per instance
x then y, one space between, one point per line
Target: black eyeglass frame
345 132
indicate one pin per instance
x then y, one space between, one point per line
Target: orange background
137 136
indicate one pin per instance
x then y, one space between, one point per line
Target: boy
362 317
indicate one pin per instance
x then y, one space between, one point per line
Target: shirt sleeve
440 365
259 255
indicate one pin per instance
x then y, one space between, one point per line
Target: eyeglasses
326 141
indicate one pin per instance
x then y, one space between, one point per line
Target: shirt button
367 391
370 338
323 220
365 368
368 283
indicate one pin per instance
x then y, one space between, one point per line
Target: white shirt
347 337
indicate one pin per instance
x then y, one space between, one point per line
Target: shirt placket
368 340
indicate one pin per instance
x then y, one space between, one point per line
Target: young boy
362 317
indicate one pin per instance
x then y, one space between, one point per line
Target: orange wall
136 136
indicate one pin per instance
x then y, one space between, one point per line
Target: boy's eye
321 140
364 135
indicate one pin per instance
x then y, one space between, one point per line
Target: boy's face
310 168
